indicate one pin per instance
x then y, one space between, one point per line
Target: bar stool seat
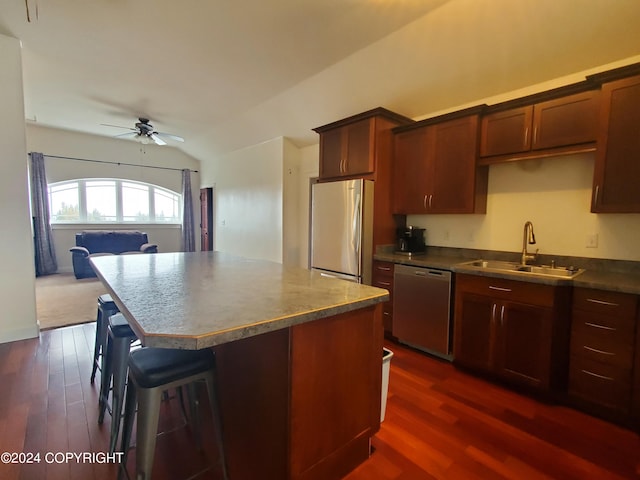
151 371
106 308
120 336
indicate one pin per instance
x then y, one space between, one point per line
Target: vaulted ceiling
227 74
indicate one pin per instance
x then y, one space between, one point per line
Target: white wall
17 284
261 200
248 200
309 168
64 143
290 204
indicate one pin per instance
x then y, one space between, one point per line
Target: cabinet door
410 182
358 149
473 325
331 157
506 132
524 343
453 153
617 169
382 277
565 121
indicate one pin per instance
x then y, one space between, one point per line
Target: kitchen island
298 355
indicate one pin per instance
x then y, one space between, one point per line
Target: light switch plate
592 240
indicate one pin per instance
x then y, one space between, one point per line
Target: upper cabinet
355 146
435 166
617 168
566 124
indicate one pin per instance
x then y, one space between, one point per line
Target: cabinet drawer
386 283
592 340
601 384
622 305
382 275
383 269
511 290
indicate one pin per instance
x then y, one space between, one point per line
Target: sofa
106 242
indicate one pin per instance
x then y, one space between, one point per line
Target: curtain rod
117 163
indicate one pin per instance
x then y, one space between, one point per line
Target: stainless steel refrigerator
342 229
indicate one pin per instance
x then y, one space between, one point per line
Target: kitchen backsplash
555 194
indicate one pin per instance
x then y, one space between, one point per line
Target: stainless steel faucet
528 237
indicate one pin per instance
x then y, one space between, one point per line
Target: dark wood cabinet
436 169
382 277
617 168
517 331
353 147
348 150
506 132
602 350
568 123
280 388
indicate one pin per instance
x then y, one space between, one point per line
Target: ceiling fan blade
157 139
116 126
171 136
127 135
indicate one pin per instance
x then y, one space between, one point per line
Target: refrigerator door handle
357 222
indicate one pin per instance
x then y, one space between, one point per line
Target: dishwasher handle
423 272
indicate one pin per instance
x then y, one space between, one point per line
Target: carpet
63 300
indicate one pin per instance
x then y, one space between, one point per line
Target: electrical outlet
592 240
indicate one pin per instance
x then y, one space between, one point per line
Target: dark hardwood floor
440 423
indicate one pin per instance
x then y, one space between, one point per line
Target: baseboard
7 335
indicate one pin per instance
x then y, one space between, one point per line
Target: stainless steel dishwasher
422 309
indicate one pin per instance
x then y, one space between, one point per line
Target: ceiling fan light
144 139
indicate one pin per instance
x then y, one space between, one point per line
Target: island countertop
201 299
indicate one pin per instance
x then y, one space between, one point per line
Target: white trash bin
386 365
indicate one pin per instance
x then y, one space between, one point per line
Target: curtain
45 255
188 235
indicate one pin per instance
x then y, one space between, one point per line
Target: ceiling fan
144 132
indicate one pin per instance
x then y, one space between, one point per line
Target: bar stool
119 340
151 371
106 308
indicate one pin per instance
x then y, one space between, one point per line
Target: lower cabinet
517 331
603 338
382 277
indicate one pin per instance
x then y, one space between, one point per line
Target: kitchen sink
514 267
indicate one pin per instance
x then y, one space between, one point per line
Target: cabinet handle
595 195
385 269
597 351
502 315
501 289
493 313
535 135
526 135
424 202
386 284
595 325
602 302
430 198
598 376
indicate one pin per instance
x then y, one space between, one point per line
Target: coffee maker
410 240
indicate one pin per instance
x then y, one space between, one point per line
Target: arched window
111 200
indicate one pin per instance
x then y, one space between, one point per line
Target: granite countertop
615 276
200 299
